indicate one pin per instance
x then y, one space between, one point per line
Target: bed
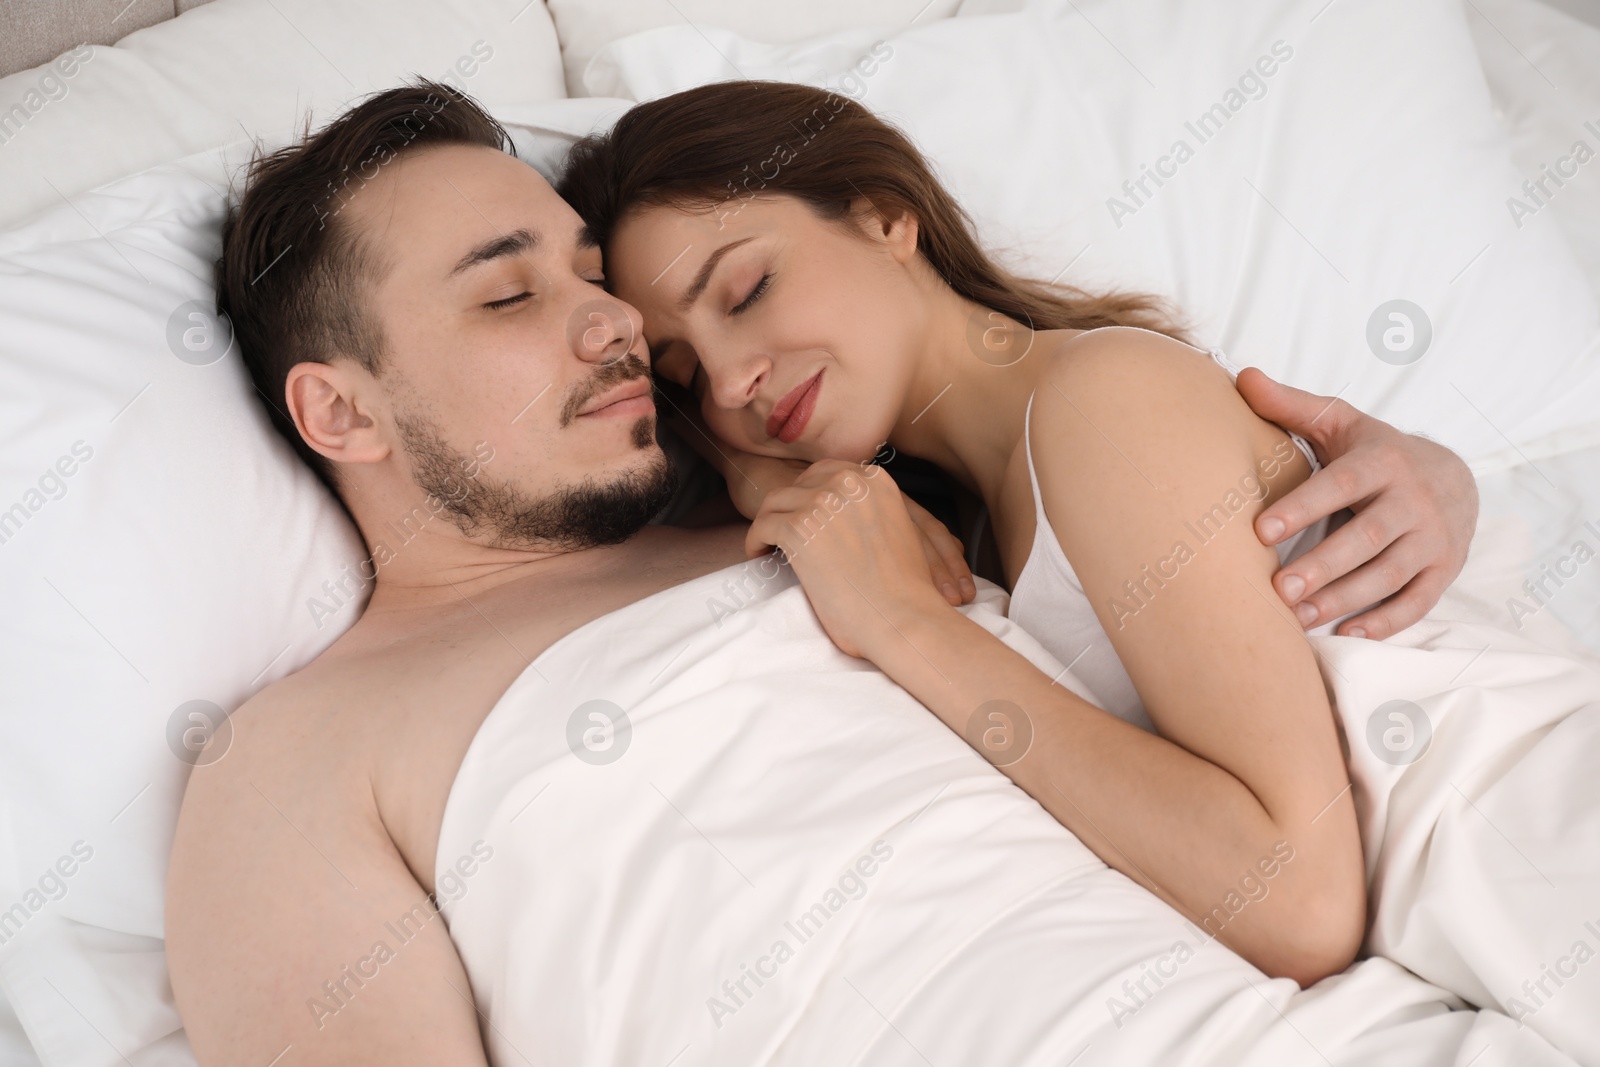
164 556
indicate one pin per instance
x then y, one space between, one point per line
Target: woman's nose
735 381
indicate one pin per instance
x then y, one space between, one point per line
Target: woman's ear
328 406
896 230
902 236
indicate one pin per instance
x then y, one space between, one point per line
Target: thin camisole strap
1027 450
1299 442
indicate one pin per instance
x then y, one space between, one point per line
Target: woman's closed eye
755 294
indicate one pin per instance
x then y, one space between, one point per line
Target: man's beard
583 515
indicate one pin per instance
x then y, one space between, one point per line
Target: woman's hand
1416 507
866 556
752 478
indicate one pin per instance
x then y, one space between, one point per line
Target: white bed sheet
1539 523
984 932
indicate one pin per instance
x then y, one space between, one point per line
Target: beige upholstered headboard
36 31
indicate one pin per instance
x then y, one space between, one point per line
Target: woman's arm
1142 437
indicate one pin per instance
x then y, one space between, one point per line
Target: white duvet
779 857
1474 757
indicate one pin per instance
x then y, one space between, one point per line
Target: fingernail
1356 631
1306 613
950 591
1293 586
1272 529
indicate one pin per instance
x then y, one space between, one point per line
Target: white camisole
1049 603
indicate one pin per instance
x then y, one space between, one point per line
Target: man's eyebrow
507 244
701 280
587 238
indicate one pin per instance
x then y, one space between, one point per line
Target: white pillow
1545 107
160 545
236 68
586 27
1367 169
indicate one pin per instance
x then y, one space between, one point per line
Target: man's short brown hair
292 278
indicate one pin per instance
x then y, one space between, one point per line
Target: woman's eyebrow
702 279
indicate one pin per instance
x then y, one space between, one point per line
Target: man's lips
789 417
629 398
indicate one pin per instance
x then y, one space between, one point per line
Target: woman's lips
788 419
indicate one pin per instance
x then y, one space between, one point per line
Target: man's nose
603 331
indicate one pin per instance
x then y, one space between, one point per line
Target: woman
802 273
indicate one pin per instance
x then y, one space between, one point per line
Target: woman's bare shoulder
1117 361
1168 409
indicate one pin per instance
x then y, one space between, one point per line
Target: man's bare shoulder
318 700
376 726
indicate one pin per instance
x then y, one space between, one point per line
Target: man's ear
329 406
897 232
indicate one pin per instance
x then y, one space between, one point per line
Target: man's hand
1416 506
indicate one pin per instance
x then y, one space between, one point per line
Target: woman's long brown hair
719 145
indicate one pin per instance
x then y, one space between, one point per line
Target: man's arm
293 923
1416 507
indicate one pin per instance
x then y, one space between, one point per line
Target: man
415 305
